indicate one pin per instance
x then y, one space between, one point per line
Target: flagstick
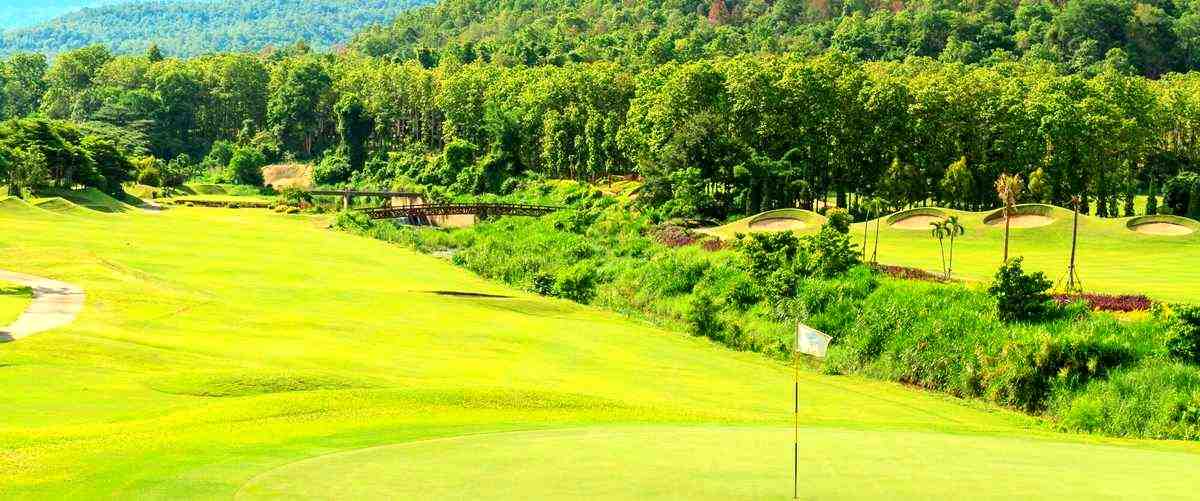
796 426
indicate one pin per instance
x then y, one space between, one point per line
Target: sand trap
54 305
1163 229
1023 221
777 224
916 222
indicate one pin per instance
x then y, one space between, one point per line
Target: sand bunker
1164 229
777 224
1023 221
916 222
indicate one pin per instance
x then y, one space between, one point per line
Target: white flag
810 341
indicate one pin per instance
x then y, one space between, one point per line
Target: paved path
54 305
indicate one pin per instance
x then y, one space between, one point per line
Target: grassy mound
916 219
62 206
89 198
1028 216
206 189
1163 225
798 220
17 207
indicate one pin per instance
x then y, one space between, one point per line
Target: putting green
732 463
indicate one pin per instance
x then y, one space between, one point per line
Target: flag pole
795 425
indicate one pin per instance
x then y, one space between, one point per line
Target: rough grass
14 298
310 342
1111 259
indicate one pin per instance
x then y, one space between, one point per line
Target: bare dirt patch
288 176
1023 221
916 222
777 224
1163 229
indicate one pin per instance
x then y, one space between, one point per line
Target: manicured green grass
1111 258
721 463
219 347
14 298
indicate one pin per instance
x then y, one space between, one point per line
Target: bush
1020 296
353 221
830 252
839 219
576 282
150 176
1183 335
333 169
245 167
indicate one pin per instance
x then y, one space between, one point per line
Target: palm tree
940 232
1073 283
954 229
876 205
1008 188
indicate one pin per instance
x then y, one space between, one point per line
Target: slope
219 347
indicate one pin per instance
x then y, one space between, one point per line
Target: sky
25 13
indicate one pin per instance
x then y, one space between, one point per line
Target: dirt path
54 305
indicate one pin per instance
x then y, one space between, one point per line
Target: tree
958 186
24 84
354 128
940 232
1008 189
954 229
298 103
26 169
1039 186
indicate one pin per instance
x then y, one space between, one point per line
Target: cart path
54 305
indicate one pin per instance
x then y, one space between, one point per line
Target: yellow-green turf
14 298
220 352
1111 258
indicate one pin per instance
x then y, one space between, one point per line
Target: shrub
150 176
839 219
294 197
576 282
1183 335
245 167
830 252
702 316
352 221
1020 296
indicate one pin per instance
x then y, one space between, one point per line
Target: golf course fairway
242 354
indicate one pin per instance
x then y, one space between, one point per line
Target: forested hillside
197 27
441 99
1153 37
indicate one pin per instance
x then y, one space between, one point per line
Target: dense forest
1152 37
188 28
712 135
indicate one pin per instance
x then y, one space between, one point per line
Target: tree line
1149 38
711 137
